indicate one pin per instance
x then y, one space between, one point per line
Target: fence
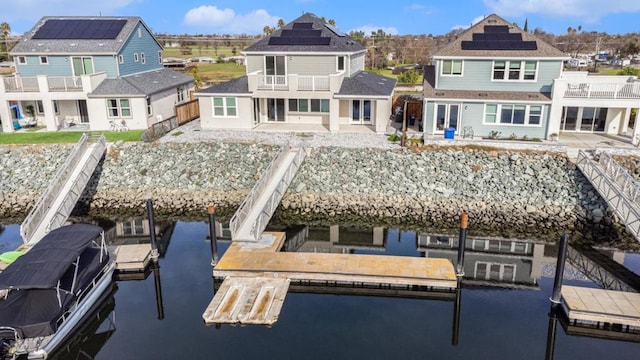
187 112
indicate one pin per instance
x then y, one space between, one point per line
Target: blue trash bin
449 133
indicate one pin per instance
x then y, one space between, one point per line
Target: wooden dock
599 309
262 262
132 258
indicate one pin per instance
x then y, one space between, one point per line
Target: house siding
477 74
60 65
254 63
356 64
312 65
138 45
242 121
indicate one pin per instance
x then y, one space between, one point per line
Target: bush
394 138
148 135
410 76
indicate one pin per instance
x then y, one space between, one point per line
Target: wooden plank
133 257
601 306
256 300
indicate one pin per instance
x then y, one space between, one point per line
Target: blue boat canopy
48 260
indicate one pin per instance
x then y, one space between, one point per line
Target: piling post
152 231
158 286
562 257
464 219
455 334
551 332
212 235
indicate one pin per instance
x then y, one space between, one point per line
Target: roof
365 83
77 35
308 33
141 84
236 86
460 47
46 262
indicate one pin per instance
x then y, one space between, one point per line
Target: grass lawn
221 72
57 137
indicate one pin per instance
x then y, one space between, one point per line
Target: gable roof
518 43
142 84
79 35
308 33
365 83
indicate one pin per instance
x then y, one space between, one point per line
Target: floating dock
132 258
602 313
260 262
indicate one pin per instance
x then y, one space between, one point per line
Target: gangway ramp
616 187
55 205
248 223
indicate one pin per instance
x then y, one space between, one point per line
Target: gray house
308 74
89 72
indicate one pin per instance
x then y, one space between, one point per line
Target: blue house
90 72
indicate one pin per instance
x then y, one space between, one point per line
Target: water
495 322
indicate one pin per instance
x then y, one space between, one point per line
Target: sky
397 17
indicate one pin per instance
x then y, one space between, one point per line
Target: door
256 112
361 112
82 110
447 116
275 110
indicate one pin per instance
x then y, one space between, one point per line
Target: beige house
307 73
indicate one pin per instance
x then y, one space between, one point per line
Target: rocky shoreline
509 191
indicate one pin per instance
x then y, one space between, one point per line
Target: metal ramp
602 270
54 206
248 223
616 187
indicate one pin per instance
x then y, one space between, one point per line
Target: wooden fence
187 112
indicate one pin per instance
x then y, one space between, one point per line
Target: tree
332 22
526 25
268 30
280 23
5 28
410 76
197 80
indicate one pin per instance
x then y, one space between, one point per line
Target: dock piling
158 286
152 231
562 257
212 235
464 219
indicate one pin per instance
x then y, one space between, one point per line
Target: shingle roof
76 46
454 48
338 42
364 83
480 95
142 84
236 86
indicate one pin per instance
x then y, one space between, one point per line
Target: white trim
344 63
363 97
441 63
46 62
225 107
22 60
120 59
527 113
82 57
135 57
143 59
119 108
289 53
447 113
488 100
442 57
521 79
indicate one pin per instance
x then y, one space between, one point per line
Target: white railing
621 177
241 215
64 84
313 83
603 91
272 82
619 193
21 84
38 213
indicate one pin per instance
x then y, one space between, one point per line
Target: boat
48 290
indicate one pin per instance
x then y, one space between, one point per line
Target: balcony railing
603 91
313 83
64 84
272 82
20 84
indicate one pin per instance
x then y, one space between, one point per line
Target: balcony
64 84
21 84
45 84
290 82
627 90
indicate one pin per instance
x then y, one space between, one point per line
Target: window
535 114
56 107
159 57
494 271
452 67
142 58
513 114
22 60
44 60
274 65
515 70
121 59
39 107
309 105
490 113
149 109
139 32
135 57
180 92
82 65
340 63
225 107
118 108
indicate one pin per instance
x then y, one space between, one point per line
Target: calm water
495 322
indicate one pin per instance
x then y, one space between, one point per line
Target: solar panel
298 32
496 28
499 45
92 29
299 40
335 30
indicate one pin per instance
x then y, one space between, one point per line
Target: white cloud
463 27
368 29
588 10
228 21
419 8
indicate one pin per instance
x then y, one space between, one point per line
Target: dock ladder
616 186
55 205
253 215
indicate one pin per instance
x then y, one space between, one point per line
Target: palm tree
5 28
280 23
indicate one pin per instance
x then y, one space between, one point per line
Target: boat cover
43 265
